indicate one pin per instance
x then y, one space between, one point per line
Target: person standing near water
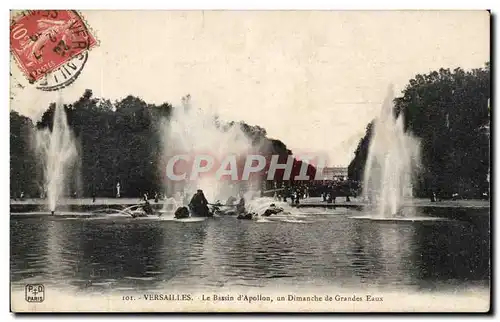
297 197
117 190
147 207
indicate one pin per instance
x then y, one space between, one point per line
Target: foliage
117 142
448 111
23 168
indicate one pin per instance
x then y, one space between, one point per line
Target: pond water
313 247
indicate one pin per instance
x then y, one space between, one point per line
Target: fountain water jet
261 204
393 158
58 153
194 131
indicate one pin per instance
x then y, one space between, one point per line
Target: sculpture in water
393 158
58 153
194 131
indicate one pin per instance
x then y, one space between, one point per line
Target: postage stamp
250 161
50 46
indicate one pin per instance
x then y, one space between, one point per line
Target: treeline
118 142
449 112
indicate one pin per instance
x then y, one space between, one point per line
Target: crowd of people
327 190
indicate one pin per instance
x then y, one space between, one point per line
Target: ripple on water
330 250
107 284
399 219
140 278
153 272
295 221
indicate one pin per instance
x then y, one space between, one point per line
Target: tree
117 142
448 111
24 175
356 168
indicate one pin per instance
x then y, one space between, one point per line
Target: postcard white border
186 4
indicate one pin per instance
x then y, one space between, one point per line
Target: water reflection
184 251
28 251
381 252
95 256
243 253
61 256
363 258
452 252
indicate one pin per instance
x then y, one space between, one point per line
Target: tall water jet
193 131
58 153
393 158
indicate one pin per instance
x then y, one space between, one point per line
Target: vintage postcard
250 161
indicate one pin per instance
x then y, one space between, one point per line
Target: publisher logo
34 293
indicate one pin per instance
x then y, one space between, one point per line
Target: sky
313 79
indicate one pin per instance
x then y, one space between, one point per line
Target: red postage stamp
43 41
